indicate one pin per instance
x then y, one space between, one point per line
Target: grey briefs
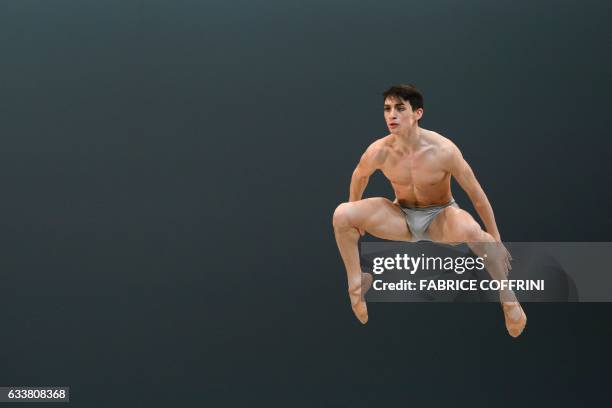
419 219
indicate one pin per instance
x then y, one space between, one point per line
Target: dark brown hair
407 93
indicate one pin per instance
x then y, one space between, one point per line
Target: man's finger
509 254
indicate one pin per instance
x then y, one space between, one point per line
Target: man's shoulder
378 149
442 143
437 138
382 141
380 144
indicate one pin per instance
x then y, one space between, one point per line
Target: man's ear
419 113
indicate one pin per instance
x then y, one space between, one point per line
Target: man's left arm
464 175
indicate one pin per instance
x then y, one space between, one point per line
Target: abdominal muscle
415 196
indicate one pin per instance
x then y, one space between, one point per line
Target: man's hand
505 253
507 258
496 256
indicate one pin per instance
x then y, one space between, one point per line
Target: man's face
399 115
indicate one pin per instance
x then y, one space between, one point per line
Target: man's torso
420 177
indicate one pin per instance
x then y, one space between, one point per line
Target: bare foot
515 317
358 298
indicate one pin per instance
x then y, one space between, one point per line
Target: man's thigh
379 217
454 225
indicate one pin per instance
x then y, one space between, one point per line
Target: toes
361 312
515 318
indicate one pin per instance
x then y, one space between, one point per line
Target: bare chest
420 171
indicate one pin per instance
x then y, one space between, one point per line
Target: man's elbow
359 176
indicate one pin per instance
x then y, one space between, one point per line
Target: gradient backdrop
169 171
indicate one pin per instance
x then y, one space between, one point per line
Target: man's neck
411 139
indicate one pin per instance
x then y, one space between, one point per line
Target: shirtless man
419 164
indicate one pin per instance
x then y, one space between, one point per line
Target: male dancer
419 164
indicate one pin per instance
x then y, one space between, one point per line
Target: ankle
507 296
355 293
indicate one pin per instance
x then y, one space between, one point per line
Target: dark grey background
169 171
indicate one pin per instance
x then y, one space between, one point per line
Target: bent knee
342 216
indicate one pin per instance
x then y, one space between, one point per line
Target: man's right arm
371 160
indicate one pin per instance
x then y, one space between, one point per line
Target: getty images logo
412 264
